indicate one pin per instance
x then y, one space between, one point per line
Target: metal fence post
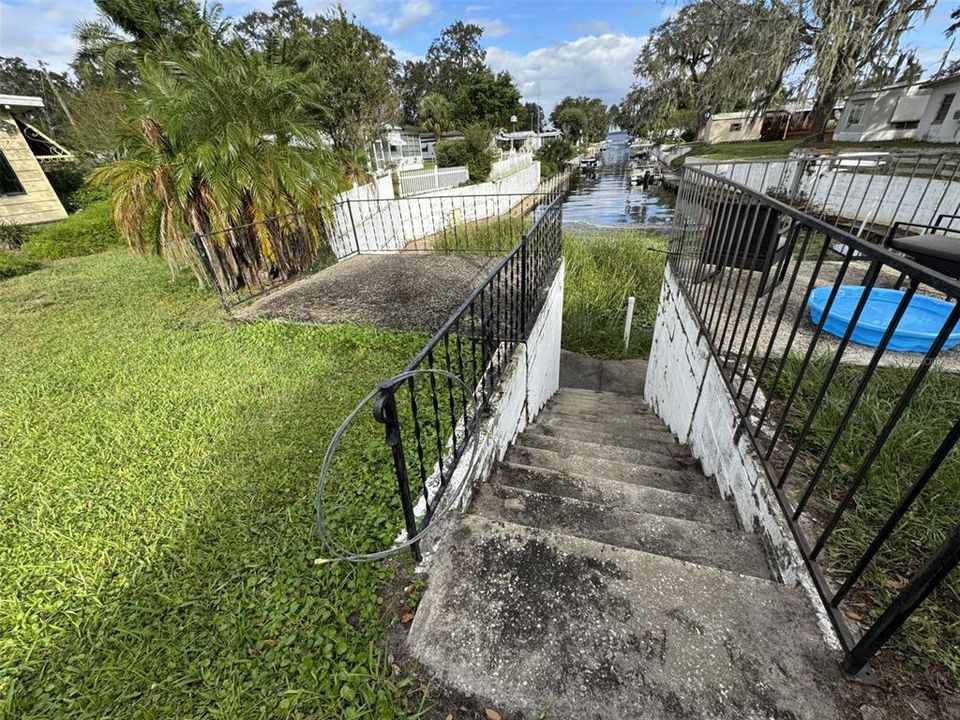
353 227
385 412
523 288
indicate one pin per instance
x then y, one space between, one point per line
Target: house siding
38 203
949 130
718 128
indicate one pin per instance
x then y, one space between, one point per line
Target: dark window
736 127
856 113
943 109
9 182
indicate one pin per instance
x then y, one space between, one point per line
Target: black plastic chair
935 250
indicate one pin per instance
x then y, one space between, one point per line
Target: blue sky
551 47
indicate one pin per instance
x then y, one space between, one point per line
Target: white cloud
476 8
491 28
411 14
55 44
591 27
595 66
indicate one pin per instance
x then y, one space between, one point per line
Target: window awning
45 149
910 108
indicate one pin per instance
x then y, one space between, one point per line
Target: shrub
12 264
12 235
86 232
65 179
472 150
553 155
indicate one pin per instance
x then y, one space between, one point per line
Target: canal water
606 199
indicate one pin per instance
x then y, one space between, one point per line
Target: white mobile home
26 196
927 111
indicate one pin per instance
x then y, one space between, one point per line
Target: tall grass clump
603 268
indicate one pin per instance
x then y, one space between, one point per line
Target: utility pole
56 94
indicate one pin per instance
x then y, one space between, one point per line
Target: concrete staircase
599 574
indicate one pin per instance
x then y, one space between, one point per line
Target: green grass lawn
933 633
157 467
604 267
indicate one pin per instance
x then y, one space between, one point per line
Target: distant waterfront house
525 140
26 196
732 127
927 111
396 148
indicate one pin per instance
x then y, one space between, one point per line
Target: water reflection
606 198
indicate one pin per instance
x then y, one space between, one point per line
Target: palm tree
221 143
127 30
435 113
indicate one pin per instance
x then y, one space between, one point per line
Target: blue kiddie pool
916 331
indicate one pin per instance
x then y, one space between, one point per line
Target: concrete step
620 495
695 542
608 399
540 624
646 456
605 426
603 420
682 481
660 441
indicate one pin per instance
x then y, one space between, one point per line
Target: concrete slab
579 371
393 291
556 626
624 376
587 373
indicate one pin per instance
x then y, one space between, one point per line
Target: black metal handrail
434 417
742 259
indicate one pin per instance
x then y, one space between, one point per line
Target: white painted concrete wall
685 388
530 380
387 227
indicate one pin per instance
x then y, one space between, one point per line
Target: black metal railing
241 270
748 266
429 419
864 193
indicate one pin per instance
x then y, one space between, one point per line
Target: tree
851 37
474 150
594 123
553 155
17 78
111 46
454 56
221 141
714 56
531 117
487 99
573 123
356 71
414 86
435 113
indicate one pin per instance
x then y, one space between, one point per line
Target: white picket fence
418 182
509 165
